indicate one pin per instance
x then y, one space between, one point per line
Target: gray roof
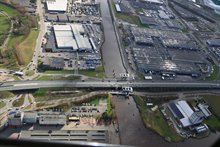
214 42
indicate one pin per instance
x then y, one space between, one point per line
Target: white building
56 5
184 114
72 37
15 118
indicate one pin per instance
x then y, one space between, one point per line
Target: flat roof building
71 37
52 119
56 5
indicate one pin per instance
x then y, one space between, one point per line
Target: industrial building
52 63
184 114
30 117
52 119
56 6
146 20
66 135
15 118
71 37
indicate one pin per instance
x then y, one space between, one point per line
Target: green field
156 121
59 72
213 122
213 101
19 102
2 104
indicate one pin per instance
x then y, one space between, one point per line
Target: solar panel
176 110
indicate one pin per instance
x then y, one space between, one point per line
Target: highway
25 85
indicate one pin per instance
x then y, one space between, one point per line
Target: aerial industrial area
120 72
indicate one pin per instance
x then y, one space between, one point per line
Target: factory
187 117
72 37
53 63
56 6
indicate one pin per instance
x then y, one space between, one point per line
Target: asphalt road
110 51
25 85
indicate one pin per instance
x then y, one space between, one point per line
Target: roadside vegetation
20 46
29 73
47 94
6 94
19 102
57 77
156 121
98 72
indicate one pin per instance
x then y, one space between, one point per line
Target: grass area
25 50
4 27
28 107
46 94
214 74
109 107
30 73
29 99
6 94
95 101
213 123
59 72
213 101
15 39
9 10
19 102
98 72
45 78
16 78
2 104
156 121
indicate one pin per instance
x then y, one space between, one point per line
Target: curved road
110 51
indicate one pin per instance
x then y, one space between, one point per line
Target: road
110 50
25 85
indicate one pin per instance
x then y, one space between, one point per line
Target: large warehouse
71 37
56 5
